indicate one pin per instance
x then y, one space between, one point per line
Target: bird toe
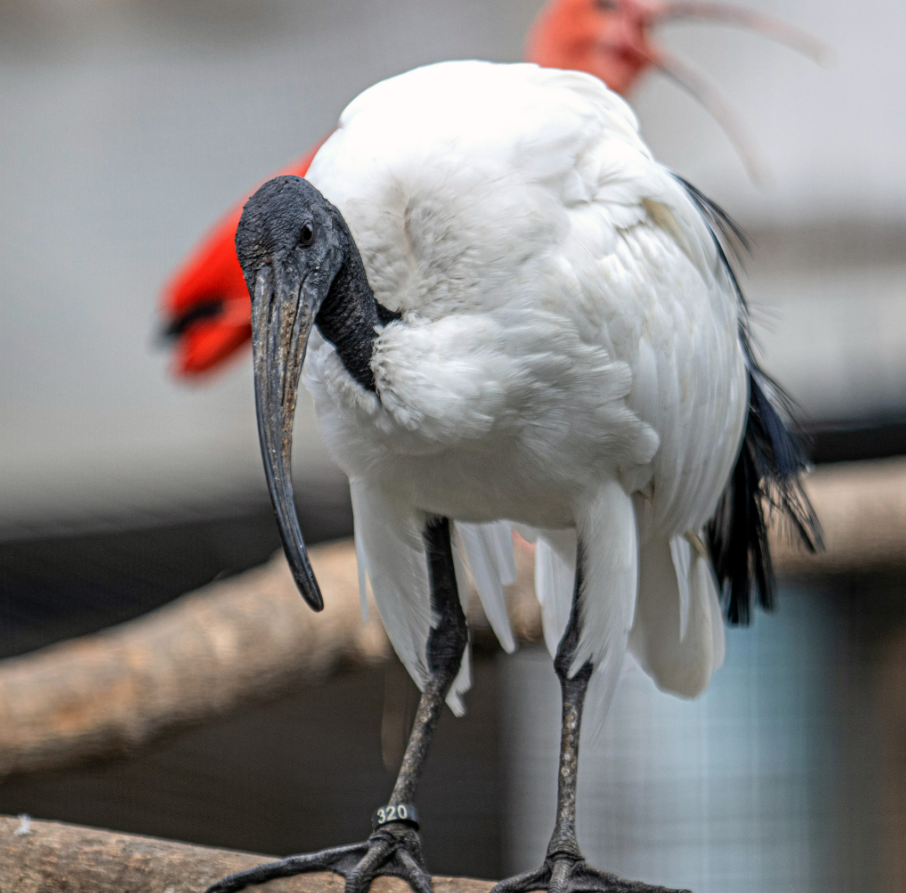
570 875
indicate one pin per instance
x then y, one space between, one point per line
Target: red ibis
205 304
511 316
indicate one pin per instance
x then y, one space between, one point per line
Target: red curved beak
612 40
725 14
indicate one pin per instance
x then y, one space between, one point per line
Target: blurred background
129 126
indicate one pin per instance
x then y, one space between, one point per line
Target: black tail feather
725 229
767 479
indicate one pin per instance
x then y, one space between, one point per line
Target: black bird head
291 244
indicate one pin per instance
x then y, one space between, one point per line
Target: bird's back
449 174
524 199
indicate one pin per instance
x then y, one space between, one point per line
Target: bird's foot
394 849
568 873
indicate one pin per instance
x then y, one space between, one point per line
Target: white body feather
568 360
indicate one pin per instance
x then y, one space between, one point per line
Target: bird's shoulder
462 180
519 222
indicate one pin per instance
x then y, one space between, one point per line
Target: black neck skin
349 315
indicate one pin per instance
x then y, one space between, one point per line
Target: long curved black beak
283 313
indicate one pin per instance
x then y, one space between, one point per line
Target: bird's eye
307 235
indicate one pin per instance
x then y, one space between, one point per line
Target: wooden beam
58 858
197 658
862 507
252 638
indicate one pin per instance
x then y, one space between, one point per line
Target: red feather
211 277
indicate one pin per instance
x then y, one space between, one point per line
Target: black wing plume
772 459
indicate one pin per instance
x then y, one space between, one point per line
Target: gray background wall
129 126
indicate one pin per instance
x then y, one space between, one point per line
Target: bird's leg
394 848
564 869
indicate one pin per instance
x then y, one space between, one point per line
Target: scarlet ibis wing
206 303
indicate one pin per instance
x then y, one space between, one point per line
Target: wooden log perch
241 641
862 507
57 858
252 638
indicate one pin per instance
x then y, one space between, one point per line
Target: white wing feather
679 660
681 553
555 582
461 684
389 536
463 681
608 539
489 554
361 564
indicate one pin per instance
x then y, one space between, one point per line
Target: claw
560 877
521 883
569 875
389 851
418 878
324 860
358 879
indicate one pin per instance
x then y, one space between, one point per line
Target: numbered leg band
399 812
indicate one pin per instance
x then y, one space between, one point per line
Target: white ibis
514 316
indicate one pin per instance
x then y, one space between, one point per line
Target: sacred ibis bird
511 316
205 304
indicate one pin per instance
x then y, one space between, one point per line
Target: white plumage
568 362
